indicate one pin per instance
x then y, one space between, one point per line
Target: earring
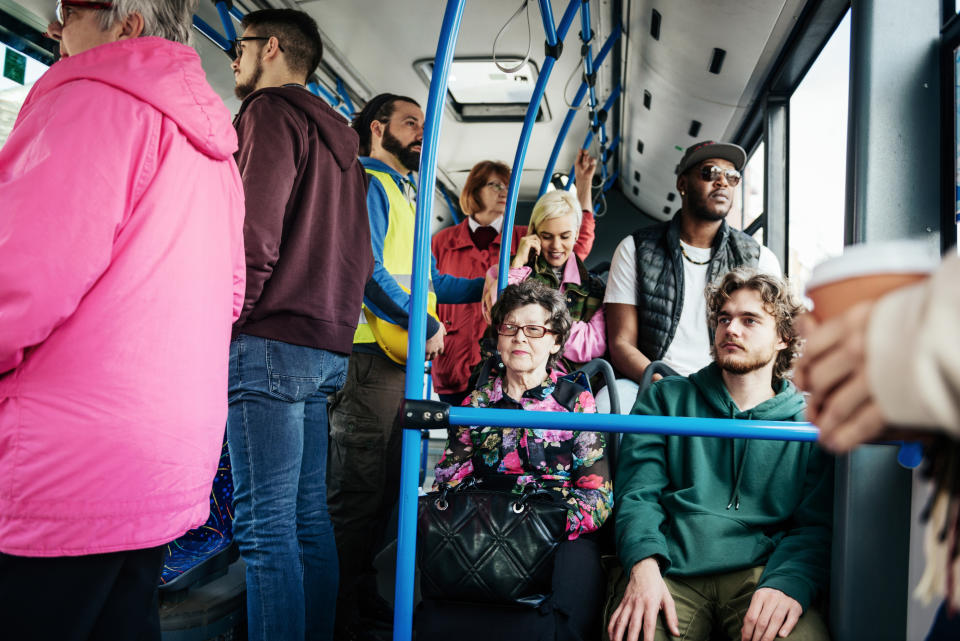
683 193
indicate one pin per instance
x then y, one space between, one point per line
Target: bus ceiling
687 71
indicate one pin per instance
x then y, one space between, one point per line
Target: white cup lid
892 257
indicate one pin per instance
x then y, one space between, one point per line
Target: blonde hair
555 204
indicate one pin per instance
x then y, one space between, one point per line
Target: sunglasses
77 4
238 51
710 173
530 331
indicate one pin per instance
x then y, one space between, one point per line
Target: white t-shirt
690 349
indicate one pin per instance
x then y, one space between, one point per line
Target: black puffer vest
660 277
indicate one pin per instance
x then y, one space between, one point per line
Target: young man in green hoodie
725 535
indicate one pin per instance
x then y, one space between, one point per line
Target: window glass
818 159
956 132
752 187
19 72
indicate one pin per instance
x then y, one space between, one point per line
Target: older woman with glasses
471 247
547 254
532 325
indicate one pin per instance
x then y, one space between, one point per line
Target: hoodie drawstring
737 468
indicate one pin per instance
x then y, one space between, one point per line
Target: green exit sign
14 66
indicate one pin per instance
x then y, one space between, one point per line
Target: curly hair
533 292
778 301
481 173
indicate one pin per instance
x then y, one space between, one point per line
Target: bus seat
204 553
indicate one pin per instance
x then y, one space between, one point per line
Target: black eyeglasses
530 331
238 51
76 4
710 173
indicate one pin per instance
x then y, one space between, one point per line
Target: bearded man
654 301
727 537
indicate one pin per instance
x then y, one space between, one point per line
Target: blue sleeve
453 289
382 294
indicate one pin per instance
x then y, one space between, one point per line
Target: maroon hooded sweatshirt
306 230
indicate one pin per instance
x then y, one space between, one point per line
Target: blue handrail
344 96
637 424
322 92
611 180
200 25
553 37
416 348
228 29
236 13
607 105
453 208
574 109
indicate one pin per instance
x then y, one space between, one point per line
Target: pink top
121 271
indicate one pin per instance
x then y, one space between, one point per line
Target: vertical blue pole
533 109
416 347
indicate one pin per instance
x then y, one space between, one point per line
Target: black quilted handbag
486 546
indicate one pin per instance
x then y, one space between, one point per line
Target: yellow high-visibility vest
398 260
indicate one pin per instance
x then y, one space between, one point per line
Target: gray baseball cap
711 149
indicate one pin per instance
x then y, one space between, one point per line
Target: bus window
818 159
18 72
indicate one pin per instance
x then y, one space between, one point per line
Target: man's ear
130 27
376 128
682 184
271 49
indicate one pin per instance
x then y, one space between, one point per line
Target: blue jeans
277 430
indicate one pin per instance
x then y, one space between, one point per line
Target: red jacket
458 256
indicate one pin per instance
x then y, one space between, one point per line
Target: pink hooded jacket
121 271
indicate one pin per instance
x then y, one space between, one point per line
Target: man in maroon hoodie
308 257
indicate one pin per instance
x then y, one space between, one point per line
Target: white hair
555 204
170 19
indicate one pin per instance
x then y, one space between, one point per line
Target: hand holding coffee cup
833 368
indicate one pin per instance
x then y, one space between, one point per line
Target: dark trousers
572 613
363 477
112 597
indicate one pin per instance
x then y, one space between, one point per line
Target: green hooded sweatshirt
714 505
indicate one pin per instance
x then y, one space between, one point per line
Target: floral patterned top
568 462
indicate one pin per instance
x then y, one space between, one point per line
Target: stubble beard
245 88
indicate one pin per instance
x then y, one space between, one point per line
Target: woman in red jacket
470 248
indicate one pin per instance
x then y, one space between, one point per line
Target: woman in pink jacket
121 272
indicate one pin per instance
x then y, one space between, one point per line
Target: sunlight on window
818 159
17 67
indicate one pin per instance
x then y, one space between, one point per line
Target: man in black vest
654 303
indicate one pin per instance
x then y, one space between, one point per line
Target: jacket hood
165 74
787 405
342 141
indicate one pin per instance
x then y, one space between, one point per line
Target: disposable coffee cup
867 272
